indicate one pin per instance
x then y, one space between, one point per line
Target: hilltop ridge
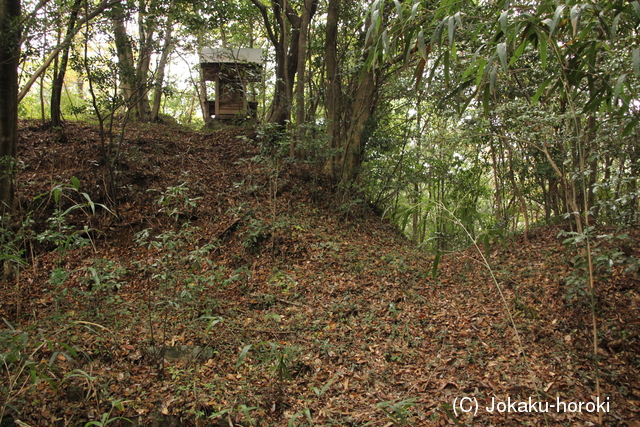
239 288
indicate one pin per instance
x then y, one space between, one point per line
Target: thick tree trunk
9 57
355 132
58 77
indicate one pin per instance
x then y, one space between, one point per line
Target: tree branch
267 24
54 53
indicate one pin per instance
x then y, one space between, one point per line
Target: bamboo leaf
518 52
614 27
576 13
385 43
504 20
75 183
414 10
480 72
451 30
557 15
421 45
398 9
636 8
408 44
375 22
629 127
458 19
436 37
549 23
501 49
543 52
539 92
494 74
243 354
618 87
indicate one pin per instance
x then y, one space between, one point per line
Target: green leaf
292 421
636 8
398 9
414 10
504 20
451 29
543 52
539 92
502 54
614 27
385 43
243 354
635 58
480 73
518 52
493 77
75 183
549 23
618 87
375 22
576 12
458 19
421 45
448 409
556 17
629 127
213 320
436 37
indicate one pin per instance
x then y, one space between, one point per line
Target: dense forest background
406 154
500 114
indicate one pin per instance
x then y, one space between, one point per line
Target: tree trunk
104 4
286 56
9 57
146 31
58 77
162 64
355 132
308 10
124 51
332 84
348 132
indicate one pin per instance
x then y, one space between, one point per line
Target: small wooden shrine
230 70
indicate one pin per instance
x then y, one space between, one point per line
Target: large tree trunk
9 57
58 76
348 132
355 132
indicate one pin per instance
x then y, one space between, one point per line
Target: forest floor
236 290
